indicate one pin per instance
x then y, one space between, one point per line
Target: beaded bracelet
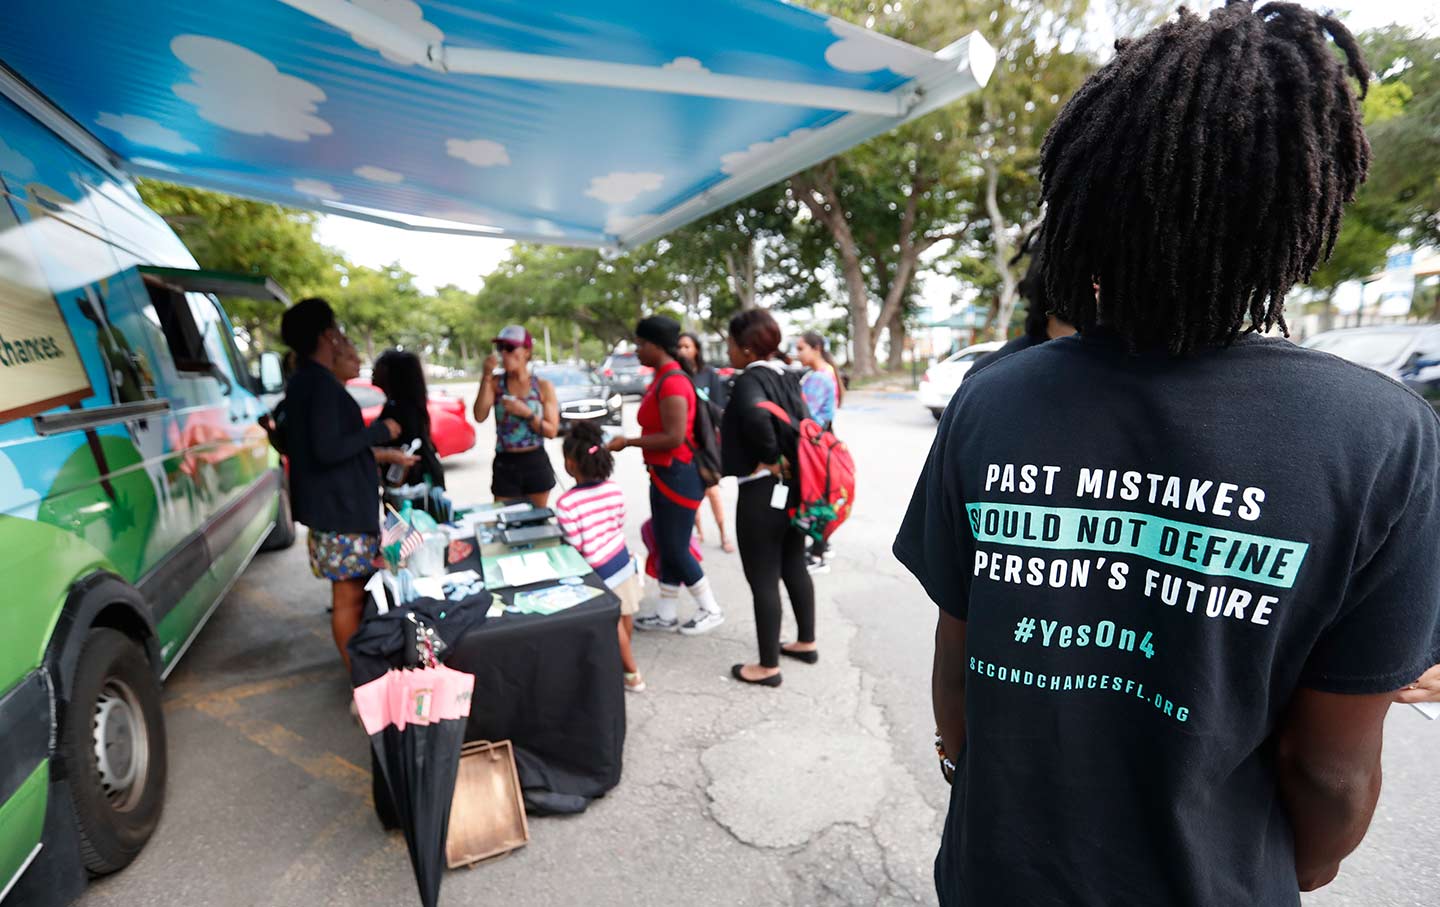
947 765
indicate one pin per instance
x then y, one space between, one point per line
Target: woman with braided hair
1180 585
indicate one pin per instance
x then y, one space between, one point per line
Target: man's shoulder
1338 384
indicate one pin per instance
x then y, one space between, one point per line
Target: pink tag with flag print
418 696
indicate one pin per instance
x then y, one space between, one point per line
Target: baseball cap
516 335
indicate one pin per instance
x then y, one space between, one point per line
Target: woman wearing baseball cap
526 413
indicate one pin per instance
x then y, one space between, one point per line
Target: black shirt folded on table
334 484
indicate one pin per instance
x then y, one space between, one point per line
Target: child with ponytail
592 516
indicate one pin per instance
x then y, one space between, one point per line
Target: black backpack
706 447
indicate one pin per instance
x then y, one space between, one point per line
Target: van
135 487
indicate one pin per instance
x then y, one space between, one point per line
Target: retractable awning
565 121
221 283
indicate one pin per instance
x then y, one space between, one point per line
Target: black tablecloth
553 686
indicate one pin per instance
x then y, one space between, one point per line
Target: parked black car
584 396
1409 353
624 373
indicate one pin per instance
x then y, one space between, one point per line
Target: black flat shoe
809 657
772 681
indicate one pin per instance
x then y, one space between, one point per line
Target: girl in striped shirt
592 516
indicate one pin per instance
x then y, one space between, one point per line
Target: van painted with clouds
135 486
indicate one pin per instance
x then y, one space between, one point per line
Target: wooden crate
487 816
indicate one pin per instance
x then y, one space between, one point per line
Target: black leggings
772 550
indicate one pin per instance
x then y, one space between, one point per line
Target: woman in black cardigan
755 447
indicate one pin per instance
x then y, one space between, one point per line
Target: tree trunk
1005 305
820 198
864 337
898 334
691 294
740 269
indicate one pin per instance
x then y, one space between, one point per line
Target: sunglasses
507 347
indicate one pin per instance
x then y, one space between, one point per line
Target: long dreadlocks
1202 173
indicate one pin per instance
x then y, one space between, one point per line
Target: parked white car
942 379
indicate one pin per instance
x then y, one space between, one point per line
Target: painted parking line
226 706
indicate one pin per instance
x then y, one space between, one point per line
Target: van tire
282 536
115 708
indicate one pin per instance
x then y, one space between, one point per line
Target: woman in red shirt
667 435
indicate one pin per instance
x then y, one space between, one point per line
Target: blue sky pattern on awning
258 98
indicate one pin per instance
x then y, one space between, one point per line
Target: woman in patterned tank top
526 413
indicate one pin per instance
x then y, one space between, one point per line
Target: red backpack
826 475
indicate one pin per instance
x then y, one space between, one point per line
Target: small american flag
397 530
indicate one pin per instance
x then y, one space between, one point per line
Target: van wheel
283 535
113 743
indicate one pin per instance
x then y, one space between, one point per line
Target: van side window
215 336
125 346
182 334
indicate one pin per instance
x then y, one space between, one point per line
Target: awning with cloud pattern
587 122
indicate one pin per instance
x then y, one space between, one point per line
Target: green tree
464 328
1400 201
603 295
379 306
720 263
1403 122
965 167
226 233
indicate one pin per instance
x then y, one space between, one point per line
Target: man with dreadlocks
1181 583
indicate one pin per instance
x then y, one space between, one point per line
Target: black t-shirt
1023 342
1151 555
412 427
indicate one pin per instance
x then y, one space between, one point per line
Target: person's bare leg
717 508
540 499
626 629
348 600
699 530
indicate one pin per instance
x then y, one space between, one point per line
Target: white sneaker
702 622
655 622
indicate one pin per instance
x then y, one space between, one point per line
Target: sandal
809 656
772 681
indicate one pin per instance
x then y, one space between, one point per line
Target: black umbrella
415 717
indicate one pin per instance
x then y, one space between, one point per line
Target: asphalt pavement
823 792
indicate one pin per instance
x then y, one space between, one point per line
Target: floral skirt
340 556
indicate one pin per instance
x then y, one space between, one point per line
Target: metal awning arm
696 81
